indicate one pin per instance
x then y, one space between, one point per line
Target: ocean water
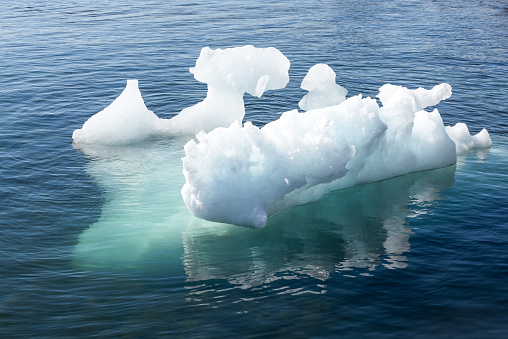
96 241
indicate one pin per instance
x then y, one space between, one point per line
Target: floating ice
400 104
125 121
229 73
464 141
243 174
323 91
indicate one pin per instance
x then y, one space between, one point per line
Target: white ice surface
229 73
241 174
125 121
323 91
464 141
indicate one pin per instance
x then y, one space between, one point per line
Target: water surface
97 242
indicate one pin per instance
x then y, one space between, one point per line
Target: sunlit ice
240 174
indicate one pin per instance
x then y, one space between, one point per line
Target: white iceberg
242 174
125 121
323 91
229 73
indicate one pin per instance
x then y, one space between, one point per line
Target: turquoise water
97 242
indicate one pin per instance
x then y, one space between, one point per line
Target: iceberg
241 174
228 73
323 91
464 141
125 121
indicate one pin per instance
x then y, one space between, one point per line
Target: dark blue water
96 242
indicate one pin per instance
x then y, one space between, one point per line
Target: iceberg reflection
359 227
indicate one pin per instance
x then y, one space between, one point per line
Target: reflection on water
360 227
145 226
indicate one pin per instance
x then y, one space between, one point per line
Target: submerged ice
144 226
229 74
241 174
